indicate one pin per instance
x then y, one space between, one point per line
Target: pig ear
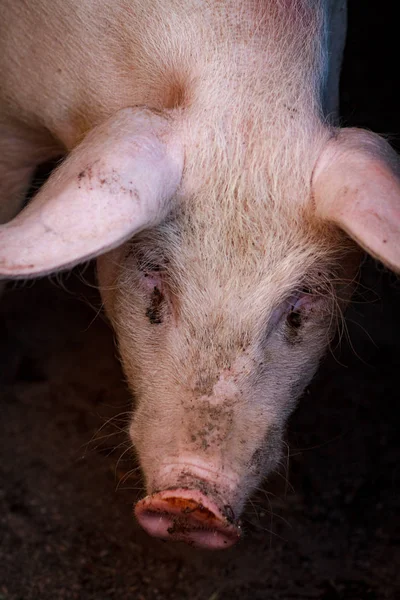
356 184
119 180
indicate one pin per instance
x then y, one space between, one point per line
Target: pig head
227 226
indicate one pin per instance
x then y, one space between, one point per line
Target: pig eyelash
150 267
149 260
147 265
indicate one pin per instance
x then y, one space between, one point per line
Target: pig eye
298 308
153 286
294 319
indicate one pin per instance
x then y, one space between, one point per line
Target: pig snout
188 515
194 502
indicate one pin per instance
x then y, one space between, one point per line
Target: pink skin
188 516
195 502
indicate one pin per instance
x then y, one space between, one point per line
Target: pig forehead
238 289
246 253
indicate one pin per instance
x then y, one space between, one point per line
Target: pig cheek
266 457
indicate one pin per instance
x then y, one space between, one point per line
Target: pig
227 211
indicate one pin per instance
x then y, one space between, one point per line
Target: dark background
328 527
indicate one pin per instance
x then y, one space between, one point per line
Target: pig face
221 323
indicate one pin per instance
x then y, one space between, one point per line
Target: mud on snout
189 515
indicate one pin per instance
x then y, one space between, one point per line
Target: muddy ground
327 528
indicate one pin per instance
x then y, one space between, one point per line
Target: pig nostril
186 516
